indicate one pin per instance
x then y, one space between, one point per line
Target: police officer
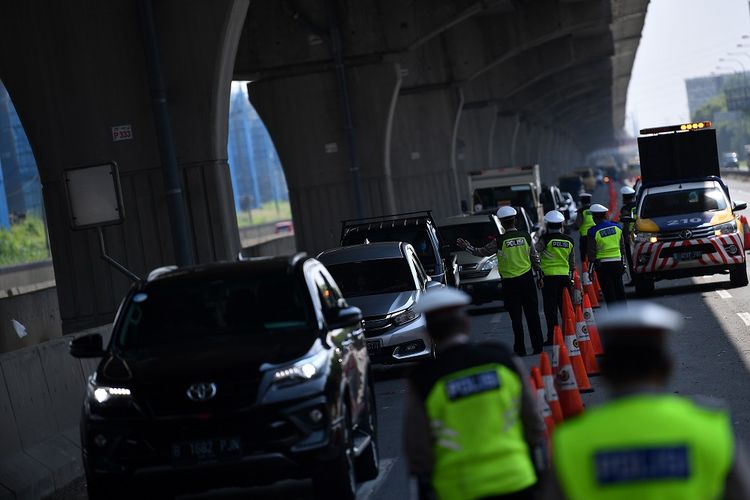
584 222
471 424
516 257
605 252
627 210
647 443
557 260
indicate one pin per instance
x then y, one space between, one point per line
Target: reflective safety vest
555 257
513 254
608 242
587 222
479 447
645 447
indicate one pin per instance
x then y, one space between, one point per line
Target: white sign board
94 196
122 133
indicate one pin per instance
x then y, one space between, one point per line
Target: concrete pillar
304 117
72 78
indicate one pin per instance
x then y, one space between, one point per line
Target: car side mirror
87 346
740 205
432 284
627 220
345 316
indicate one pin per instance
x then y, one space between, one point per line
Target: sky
683 39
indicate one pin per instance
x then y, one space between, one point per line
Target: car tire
337 478
368 463
738 275
643 286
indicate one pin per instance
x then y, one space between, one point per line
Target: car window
683 202
417 237
478 234
417 265
373 277
243 306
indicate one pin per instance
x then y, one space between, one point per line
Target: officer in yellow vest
646 443
557 260
605 252
584 222
471 423
516 257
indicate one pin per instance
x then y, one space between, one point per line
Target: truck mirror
739 205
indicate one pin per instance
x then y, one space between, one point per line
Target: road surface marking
745 317
368 490
724 294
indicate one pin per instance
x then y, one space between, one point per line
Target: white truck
515 186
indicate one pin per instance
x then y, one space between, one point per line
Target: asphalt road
712 357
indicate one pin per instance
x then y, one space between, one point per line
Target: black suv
230 374
418 229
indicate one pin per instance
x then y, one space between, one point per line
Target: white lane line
368 489
724 294
745 317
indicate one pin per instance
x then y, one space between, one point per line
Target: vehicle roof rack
391 220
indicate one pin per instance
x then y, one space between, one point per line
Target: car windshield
416 237
505 195
373 277
682 202
478 234
177 312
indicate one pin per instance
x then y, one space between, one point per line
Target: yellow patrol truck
686 221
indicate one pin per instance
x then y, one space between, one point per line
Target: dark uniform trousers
552 294
610 279
583 245
520 297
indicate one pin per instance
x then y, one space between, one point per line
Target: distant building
701 90
4 219
23 191
257 175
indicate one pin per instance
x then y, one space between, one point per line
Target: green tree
23 242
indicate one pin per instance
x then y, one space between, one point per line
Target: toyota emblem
686 234
202 391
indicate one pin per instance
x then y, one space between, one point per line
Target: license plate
207 449
687 256
373 346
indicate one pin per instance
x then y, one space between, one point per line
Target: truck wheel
643 286
738 275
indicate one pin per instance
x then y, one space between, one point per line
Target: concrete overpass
374 106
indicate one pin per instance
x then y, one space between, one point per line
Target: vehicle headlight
488 264
404 316
103 394
302 369
728 228
647 237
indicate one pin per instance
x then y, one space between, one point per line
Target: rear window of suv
416 237
373 277
179 311
478 234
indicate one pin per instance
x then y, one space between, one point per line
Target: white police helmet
639 315
505 212
596 208
441 298
554 217
627 191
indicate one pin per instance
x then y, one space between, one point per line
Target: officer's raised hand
462 244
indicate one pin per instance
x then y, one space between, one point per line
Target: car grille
474 274
376 325
469 267
168 400
702 232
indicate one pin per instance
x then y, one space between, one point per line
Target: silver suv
385 281
478 275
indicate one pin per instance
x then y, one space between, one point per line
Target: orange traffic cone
584 342
588 316
571 345
570 398
568 312
541 400
556 343
548 380
589 290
